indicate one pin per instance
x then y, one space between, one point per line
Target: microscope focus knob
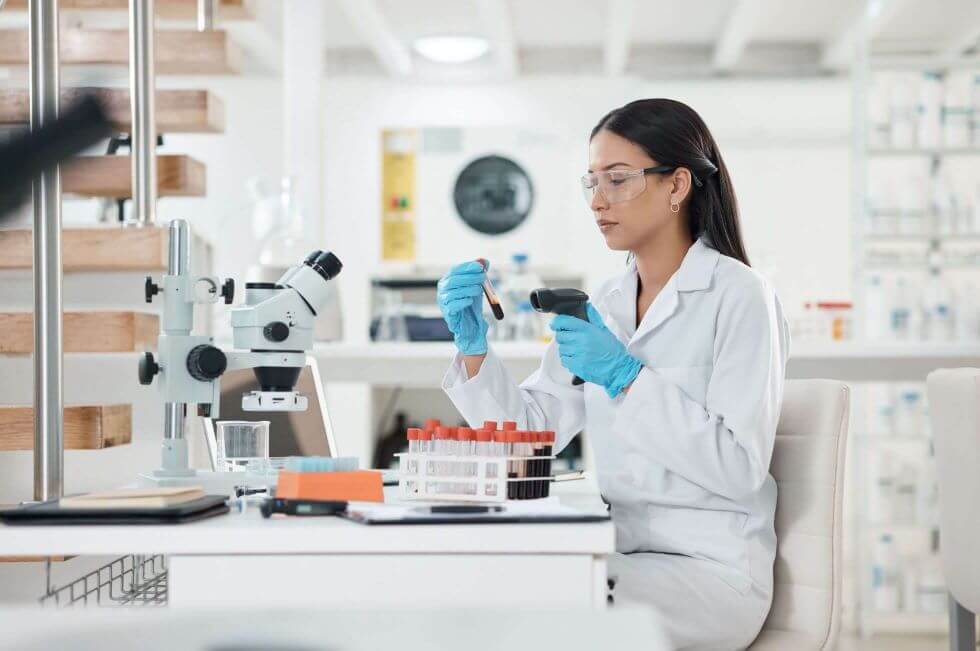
228 291
276 331
150 289
205 362
148 367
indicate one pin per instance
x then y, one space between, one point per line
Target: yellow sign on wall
398 194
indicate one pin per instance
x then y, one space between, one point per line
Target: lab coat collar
693 275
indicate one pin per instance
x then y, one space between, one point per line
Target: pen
463 509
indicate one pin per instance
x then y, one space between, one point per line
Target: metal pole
46 191
177 321
141 99
205 15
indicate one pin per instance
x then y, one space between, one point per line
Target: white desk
242 559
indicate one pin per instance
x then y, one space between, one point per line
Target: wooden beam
369 21
110 176
33 559
85 332
93 249
737 33
177 111
169 9
86 428
619 35
498 22
185 52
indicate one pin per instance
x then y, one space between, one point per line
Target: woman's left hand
591 351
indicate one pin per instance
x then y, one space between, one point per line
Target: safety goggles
619 185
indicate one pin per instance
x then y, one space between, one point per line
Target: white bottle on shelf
931 585
937 307
968 313
875 309
902 109
902 306
909 413
927 492
882 494
957 112
885 575
929 132
976 110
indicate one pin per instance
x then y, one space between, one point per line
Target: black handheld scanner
562 301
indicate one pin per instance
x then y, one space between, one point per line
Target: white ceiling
546 33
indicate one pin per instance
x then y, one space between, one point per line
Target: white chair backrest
808 466
954 409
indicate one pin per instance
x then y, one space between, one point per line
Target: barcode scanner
562 301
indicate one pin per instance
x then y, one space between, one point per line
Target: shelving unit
908 231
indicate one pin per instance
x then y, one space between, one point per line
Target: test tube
484 438
425 441
414 435
490 425
413 449
491 293
465 437
431 424
549 446
512 440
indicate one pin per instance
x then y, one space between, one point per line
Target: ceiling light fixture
451 49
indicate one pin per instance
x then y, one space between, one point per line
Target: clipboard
50 513
509 513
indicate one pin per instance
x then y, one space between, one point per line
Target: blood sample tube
490 425
512 438
549 446
491 293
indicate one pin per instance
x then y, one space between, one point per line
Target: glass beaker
240 441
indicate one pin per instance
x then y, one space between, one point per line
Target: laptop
291 433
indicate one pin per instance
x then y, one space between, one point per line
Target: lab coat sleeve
725 445
544 401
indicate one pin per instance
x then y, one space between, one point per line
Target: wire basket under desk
131 580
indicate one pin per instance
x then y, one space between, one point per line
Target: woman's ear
680 185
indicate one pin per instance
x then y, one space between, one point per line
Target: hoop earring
675 208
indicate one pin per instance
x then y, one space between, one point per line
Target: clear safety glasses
619 185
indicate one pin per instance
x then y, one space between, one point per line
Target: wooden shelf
177 111
86 428
111 176
93 249
169 9
84 332
184 52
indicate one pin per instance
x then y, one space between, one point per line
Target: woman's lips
606 225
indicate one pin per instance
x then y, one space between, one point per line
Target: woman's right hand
460 297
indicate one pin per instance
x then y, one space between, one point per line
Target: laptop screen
291 433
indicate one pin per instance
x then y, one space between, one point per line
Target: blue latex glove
460 297
590 351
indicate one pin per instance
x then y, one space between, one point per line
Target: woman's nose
598 201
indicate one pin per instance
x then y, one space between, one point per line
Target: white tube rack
454 478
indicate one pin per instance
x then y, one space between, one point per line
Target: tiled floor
894 643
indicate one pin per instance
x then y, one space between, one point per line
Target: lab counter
416 364
243 559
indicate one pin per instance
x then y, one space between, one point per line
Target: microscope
271 333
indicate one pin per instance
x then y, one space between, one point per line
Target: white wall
786 143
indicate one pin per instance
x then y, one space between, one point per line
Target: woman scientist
684 359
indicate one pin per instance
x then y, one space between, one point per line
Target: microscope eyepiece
324 263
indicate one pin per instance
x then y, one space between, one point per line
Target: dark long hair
672 133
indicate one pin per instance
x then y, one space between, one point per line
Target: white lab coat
683 456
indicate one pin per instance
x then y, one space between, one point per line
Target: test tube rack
456 478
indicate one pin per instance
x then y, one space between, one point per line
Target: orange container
353 486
